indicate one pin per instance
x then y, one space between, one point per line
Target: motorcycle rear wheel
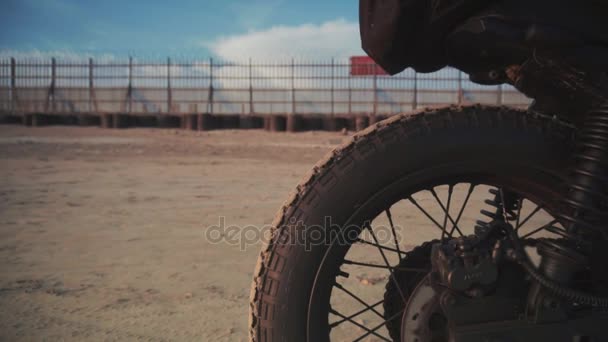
524 152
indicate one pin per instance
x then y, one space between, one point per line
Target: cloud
333 39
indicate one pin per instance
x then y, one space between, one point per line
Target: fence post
350 94
375 111
210 95
169 92
415 99
251 109
499 95
130 86
13 85
332 87
293 87
460 92
91 86
50 98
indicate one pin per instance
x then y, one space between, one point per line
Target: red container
365 66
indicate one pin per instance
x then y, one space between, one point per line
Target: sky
225 29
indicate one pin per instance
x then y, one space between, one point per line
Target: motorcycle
505 235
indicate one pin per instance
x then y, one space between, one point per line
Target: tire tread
323 176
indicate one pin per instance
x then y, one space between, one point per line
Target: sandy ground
103 232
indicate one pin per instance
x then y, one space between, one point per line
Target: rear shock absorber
587 195
585 221
584 217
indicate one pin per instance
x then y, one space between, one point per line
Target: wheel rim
363 318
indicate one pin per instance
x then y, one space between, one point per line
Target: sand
103 233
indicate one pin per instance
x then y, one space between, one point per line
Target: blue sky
228 29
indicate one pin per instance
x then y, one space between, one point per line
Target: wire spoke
369 332
559 231
445 223
359 240
448 223
548 225
392 276
464 205
519 207
358 299
538 208
364 264
447 211
447 215
404 269
425 213
346 319
390 220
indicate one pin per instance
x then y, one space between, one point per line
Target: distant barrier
201 121
173 88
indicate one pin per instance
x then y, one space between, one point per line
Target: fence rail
219 87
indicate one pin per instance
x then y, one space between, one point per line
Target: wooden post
14 104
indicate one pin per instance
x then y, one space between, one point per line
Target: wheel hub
423 320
